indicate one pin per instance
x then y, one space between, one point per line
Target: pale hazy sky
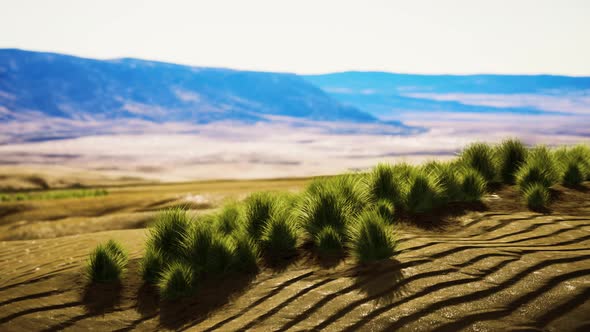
314 36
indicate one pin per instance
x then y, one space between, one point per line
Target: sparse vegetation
351 214
106 263
52 194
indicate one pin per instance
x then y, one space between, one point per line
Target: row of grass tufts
351 215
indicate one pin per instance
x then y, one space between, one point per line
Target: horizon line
375 71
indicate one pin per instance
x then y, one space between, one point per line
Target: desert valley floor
495 268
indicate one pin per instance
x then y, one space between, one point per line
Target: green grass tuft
106 263
539 167
479 156
422 193
208 251
473 186
510 155
168 232
448 176
329 242
177 280
246 253
258 210
279 236
152 265
386 210
229 219
321 207
382 183
370 238
537 197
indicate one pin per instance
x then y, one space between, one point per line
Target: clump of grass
207 251
539 167
229 219
510 155
168 232
422 194
329 242
573 174
323 207
537 197
177 280
152 265
479 156
370 238
106 263
279 236
258 210
382 183
574 164
473 186
246 253
352 190
386 210
448 176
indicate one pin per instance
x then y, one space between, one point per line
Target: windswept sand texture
499 268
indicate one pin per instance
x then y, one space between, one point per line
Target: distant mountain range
387 94
76 88
66 93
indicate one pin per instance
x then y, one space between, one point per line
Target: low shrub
370 238
106 263
177 280
473 186
510 155
537 197
480 157
168 232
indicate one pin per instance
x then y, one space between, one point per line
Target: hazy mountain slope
389 94
76 88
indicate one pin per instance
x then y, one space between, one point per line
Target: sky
314 36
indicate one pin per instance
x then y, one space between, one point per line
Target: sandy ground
493 269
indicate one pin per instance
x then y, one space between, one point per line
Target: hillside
38 86
387 94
